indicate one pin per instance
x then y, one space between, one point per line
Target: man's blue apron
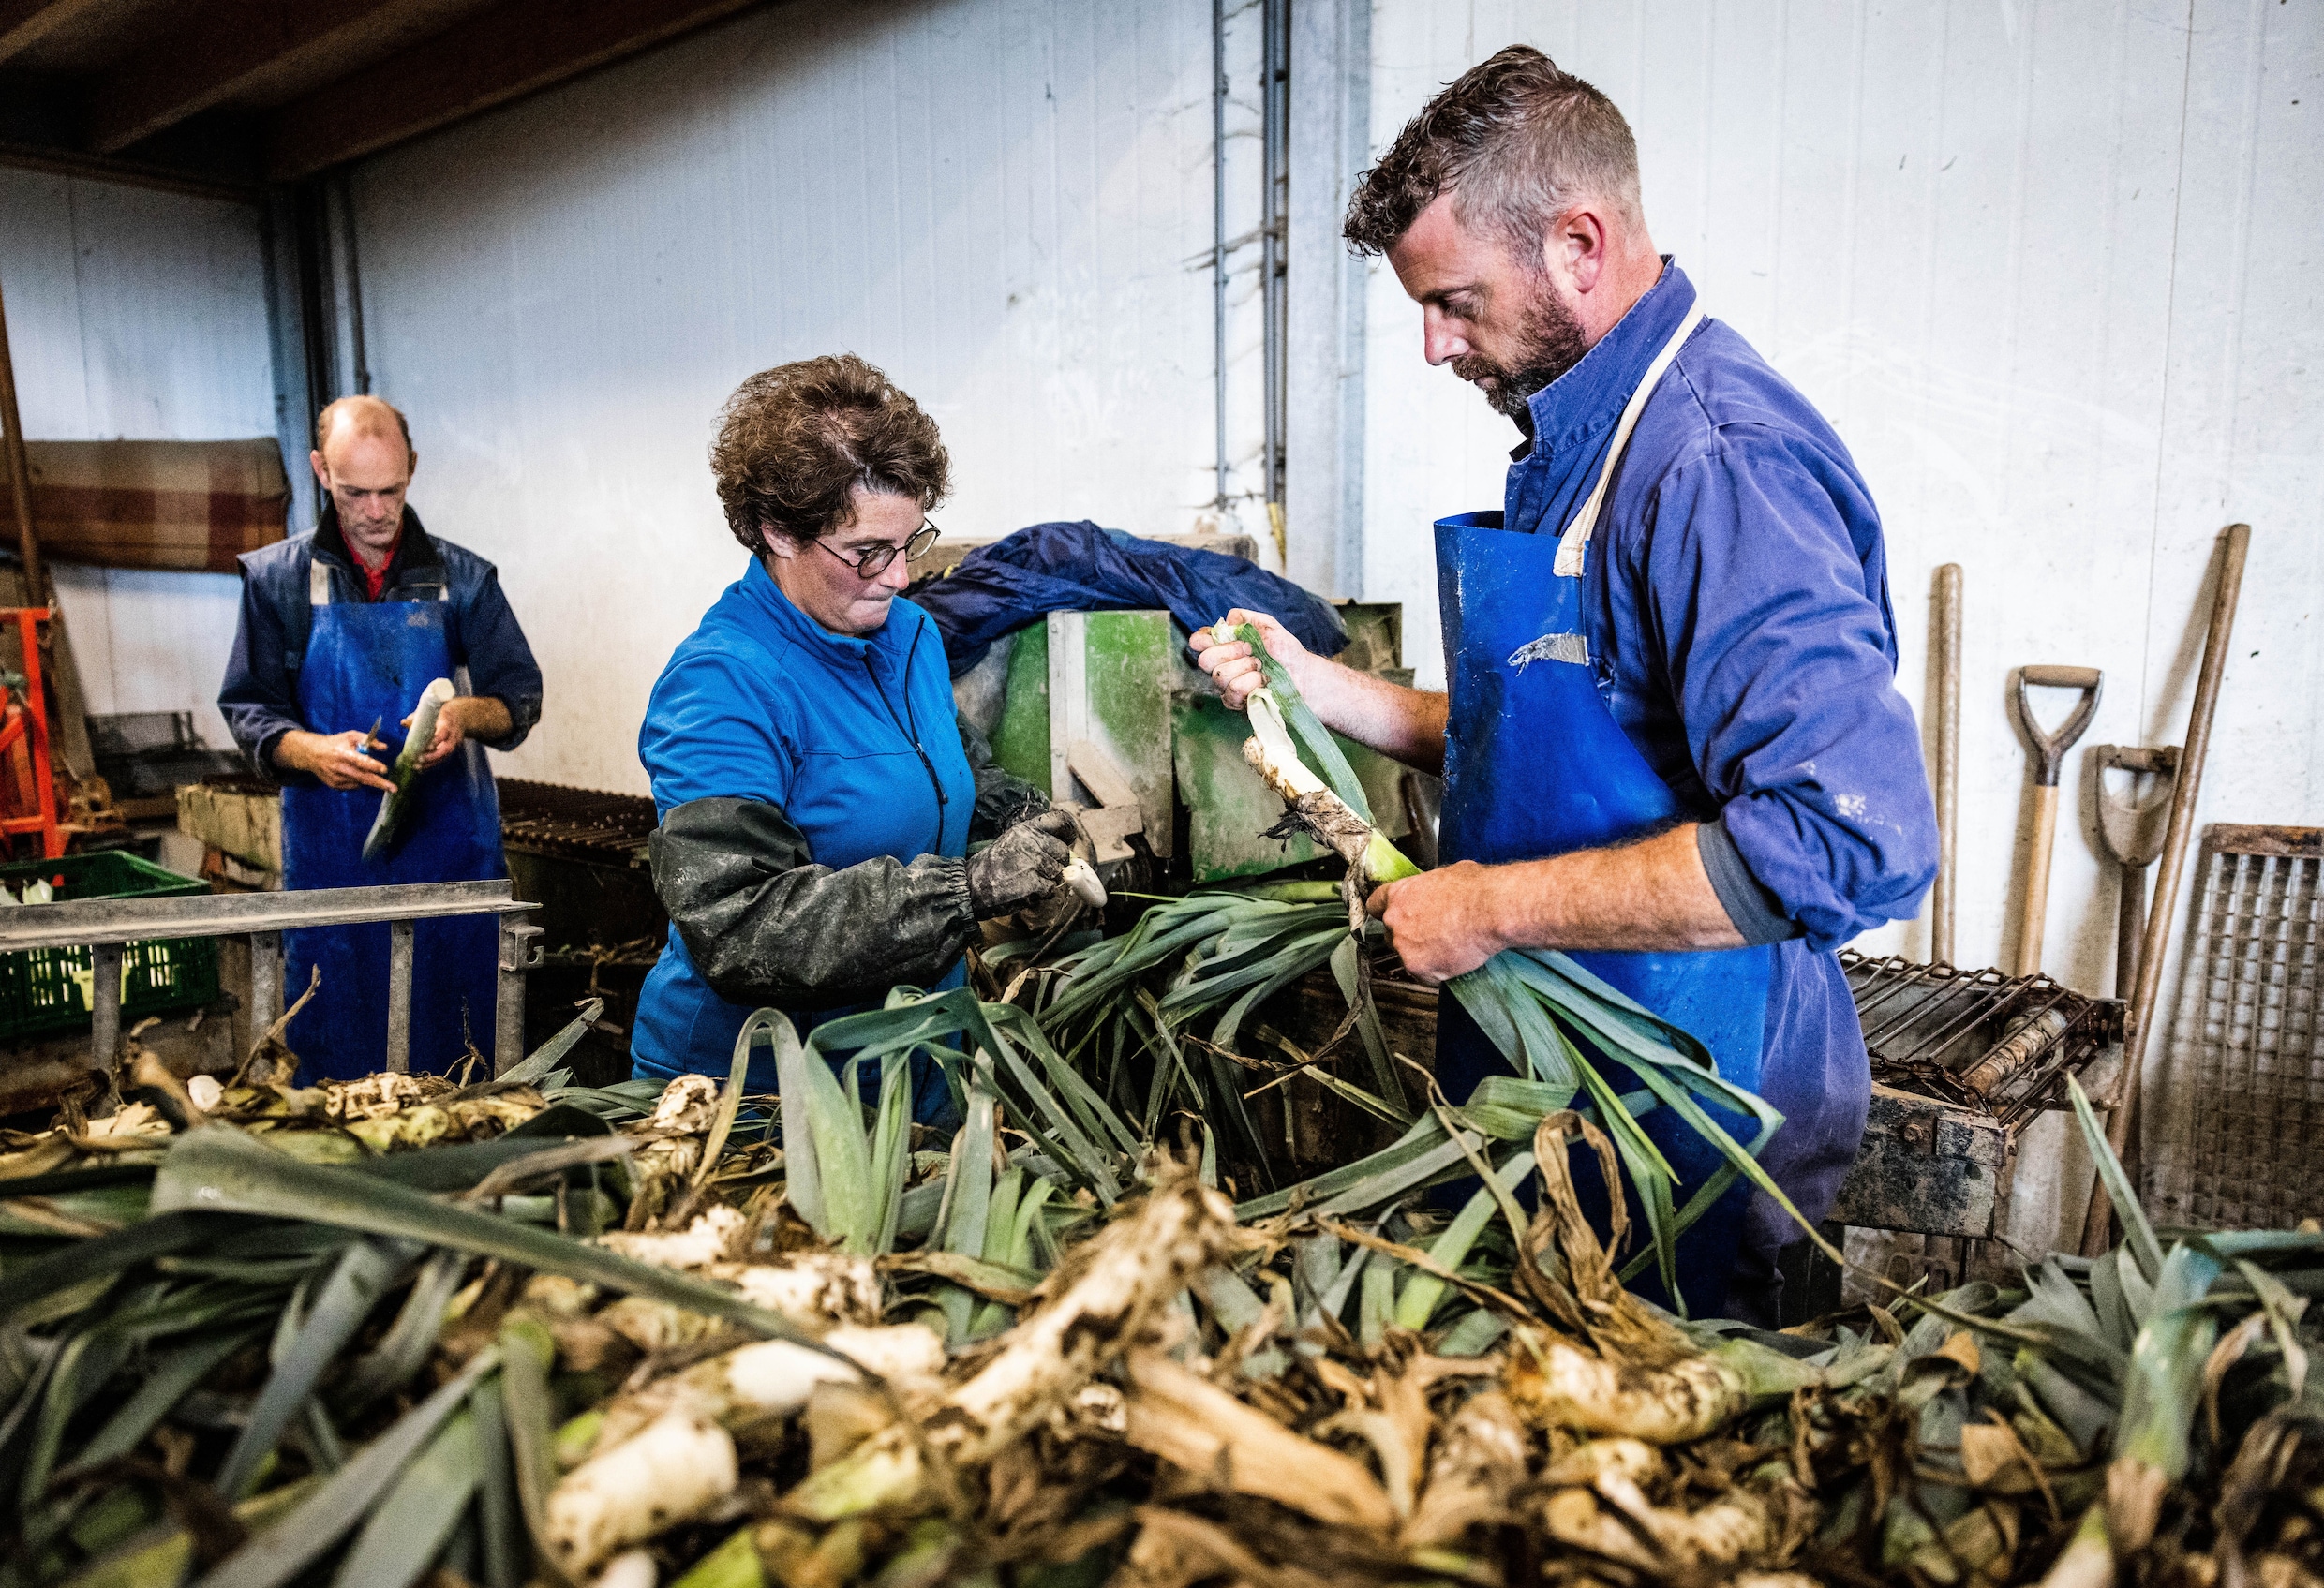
368 661
1535 766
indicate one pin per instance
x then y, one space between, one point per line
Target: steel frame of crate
103 926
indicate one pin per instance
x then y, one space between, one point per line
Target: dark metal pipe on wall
1273 237
1274 215
1218 242
310 241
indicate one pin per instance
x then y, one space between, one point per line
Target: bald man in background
342 631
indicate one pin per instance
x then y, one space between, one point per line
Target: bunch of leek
1535 1005
1157 1016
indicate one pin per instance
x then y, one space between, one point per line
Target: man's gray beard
1554 344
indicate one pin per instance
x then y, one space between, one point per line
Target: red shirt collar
375 579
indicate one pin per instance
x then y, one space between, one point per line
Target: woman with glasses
816 793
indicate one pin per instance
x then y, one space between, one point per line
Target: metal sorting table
104 925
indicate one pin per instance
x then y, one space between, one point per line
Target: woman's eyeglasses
874 563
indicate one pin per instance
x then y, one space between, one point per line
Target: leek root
1554 1384
1128 1274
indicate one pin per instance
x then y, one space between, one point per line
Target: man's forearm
1403 724
1651 895
485 717
294 751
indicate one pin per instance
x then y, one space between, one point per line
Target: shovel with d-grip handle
2133 836
2048 755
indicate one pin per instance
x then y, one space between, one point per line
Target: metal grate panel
2246 1046
1999 1045
575 823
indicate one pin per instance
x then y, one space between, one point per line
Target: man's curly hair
795 441
1517 140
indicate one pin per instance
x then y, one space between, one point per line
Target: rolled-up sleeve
1779 658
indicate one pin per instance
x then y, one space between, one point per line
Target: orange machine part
27 779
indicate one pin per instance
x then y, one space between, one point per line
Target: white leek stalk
631 1568
1082 878
671 1471
1556 1384
433 699
1272 755
772 1378
1134 1269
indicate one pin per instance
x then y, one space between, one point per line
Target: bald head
363 458
362 416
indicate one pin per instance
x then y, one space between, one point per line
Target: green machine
1101 709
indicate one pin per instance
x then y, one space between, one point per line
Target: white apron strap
317 583
1570 544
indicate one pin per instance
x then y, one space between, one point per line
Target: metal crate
1976 1039
1961 1062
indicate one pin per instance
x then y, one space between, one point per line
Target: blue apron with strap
367 662
1535 765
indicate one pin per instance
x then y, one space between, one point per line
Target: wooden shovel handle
2030 929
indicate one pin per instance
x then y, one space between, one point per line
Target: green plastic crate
49 990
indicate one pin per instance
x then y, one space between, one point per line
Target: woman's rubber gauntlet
1024 865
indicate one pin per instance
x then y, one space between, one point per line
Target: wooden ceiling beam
97 168
25 22
230 45
513 50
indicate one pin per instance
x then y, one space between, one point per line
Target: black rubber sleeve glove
766 925
1021 866
1003 798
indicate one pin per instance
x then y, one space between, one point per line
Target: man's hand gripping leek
1653 894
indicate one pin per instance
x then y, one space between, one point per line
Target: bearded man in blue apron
1673 743
342 631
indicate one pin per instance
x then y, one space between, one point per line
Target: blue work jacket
1736 599
854 740
260 697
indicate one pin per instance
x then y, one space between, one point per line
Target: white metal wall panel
2051 271
1006 205
142 315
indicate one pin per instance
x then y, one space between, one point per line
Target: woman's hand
1021 866
1235 669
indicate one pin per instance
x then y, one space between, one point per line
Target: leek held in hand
432 702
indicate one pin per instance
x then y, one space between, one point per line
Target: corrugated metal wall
142 315
2051 269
